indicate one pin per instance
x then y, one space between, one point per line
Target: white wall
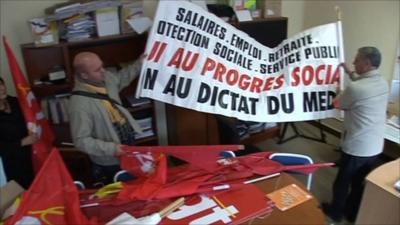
14 16
294 10
365 23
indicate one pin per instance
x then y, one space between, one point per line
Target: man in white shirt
364 103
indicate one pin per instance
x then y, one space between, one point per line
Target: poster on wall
197 61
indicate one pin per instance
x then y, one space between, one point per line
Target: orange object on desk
288 197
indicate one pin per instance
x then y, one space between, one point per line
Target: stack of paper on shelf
95 5
147 127
66 11
78 28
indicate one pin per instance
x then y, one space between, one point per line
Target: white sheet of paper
243 15
141 24
270 12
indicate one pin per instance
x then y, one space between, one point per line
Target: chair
227 154
293 159
79 185
123 176
3 178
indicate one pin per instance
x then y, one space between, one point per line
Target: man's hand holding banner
197 61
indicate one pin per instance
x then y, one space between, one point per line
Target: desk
381 202
391 135
305 213
335 127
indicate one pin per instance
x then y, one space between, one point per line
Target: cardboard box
107 21
381 201
8 194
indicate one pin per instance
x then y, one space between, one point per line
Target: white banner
197 61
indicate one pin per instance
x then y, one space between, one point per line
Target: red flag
307 169
188 179
139 163
34 118
52 198
202 156
147 188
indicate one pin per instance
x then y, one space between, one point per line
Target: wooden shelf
44 90
113 50
140 108
145 140
99 40
84 42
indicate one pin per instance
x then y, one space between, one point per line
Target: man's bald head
82 60
89 67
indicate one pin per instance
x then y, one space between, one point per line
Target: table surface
305 213
391 133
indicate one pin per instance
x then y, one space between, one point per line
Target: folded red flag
186 180
147 187
201 156
52 198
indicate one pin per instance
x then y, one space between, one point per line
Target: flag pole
340 38
171 207
338 13
341 48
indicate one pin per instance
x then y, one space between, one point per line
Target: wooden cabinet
189 127
269 32
113 50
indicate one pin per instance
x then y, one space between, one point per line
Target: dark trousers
349 184
104 174
18 165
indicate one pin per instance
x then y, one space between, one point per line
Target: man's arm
344 99
125 76
352 74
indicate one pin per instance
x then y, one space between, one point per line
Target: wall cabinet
189 127
113 50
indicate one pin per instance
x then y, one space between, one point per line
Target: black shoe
327 209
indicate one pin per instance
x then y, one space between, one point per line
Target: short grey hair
372 54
